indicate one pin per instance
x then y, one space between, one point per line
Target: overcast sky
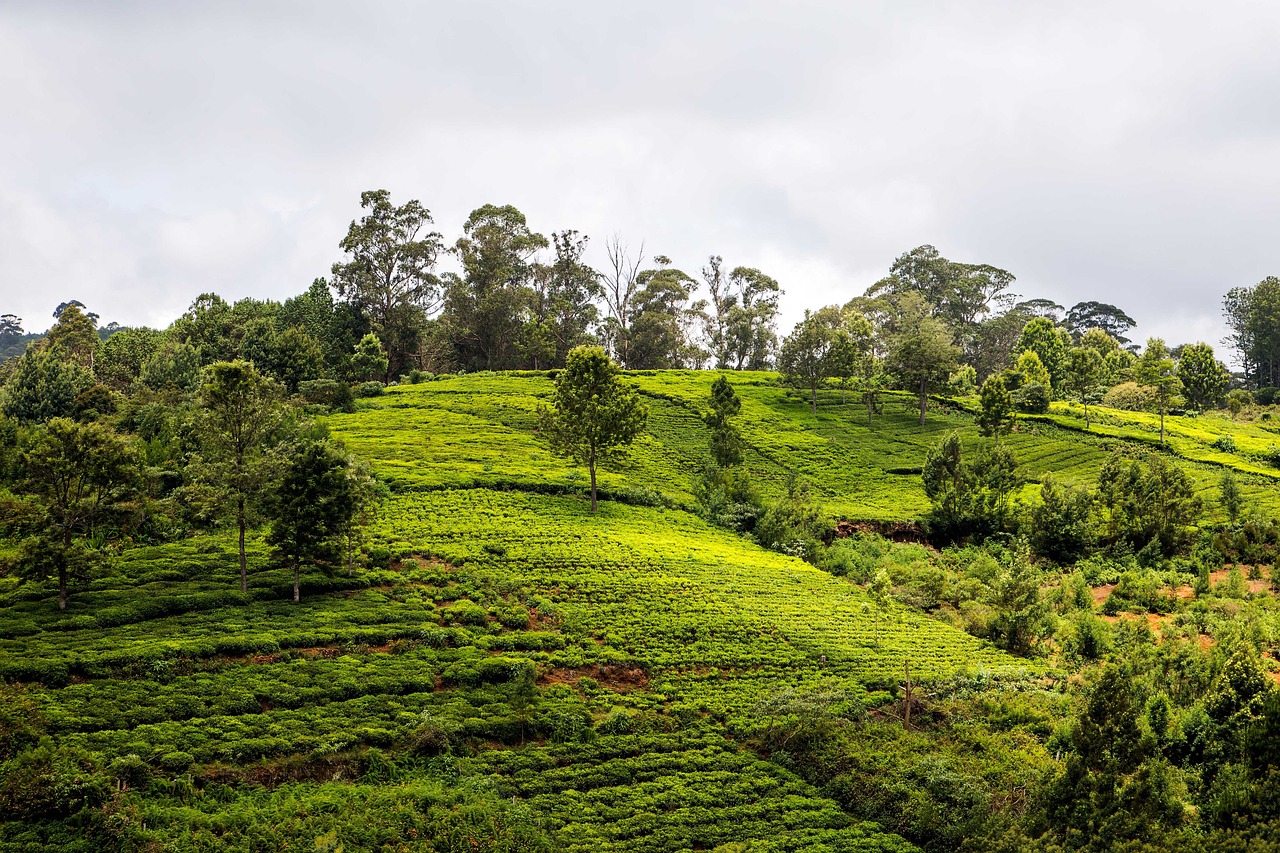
1128 153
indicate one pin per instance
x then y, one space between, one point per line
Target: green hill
518 669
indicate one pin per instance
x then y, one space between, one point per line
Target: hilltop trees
1083 374
921 352
740 317
1156 369
240 411
995 416
1253 315
726 441
804 360
592 414
389 275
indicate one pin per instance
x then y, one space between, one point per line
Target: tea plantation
513 672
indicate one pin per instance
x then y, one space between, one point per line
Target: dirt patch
896 531
615 677
1101 593
1256 586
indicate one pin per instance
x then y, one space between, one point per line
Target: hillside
519 669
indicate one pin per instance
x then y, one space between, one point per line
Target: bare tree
620 287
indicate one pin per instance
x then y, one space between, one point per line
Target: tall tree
562 305
959 294
388 274
241 411
593 414
1084 316
1156 368
660 317
621 284
741 315
1050 343
921 352
485 305
312 507
1084 373
805 358
852 356
75 334
1253 315
82 477
1204 378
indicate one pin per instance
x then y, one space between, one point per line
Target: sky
1112 151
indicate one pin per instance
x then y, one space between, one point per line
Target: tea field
513 672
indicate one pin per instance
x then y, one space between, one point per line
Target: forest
472 545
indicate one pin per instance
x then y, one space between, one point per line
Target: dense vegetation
419 567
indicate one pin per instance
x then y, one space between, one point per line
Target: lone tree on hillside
593 413
81 477
921 352
726 441
241 410
1085 369
1156 368
313 507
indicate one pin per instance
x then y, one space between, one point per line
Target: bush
1032 398
1225 443
327 392
370 389
1265 396
176 762
1131 397
465 612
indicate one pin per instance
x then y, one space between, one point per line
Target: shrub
1265 396
1032 398
327 392
176 762
465 612
1130 396
1225 443
370 389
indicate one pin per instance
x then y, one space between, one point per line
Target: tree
10 335
82 477
241 411
1204 379
1253 315
850 357
485 306
920 349
1061 526
968 497
1146 501
621 284
312 507
996 416
959 294
1086 316
44 385
660 315
593 414
75 334
1232 498
1083 376
561 308
739 322
726 442
124 353
369 359
1155 368
1049 343
804 360
389 272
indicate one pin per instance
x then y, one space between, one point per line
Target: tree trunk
1162 426
814 398
244 571
62 587
923 399
591 465
296 592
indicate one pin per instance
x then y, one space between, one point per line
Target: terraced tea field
519 670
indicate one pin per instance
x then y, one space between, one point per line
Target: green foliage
593 414
44 385
1204 379
1032 398
1062 527
1049 344
806 360
921 351
969 498
369 361
1148 501
1230 495
995 417
726 441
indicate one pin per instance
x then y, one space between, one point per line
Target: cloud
1118 151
